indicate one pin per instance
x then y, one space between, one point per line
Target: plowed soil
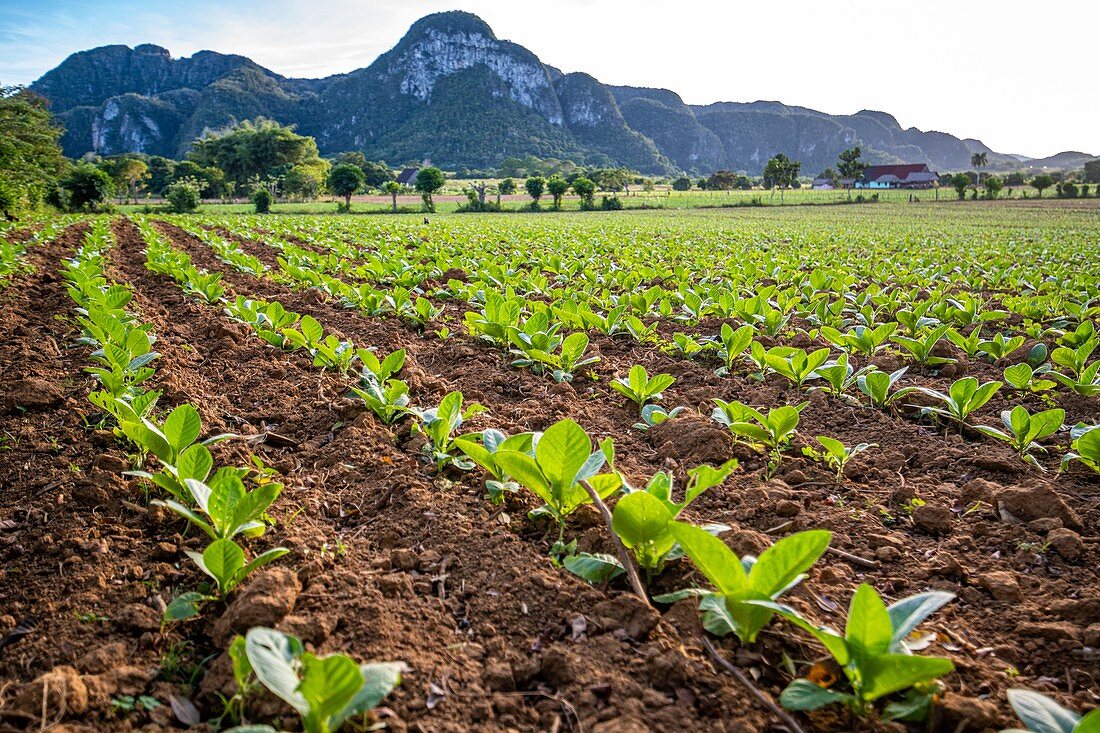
391 561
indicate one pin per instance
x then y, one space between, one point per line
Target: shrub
261 199
611 203
183 196
683 183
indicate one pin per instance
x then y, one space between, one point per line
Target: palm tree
979 161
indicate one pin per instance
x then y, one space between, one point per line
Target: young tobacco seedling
564 457
1085 447
839 377
1024 430
863 339
380 369
1043 715
224 561
730 345
173 443
228 507
482 449
640 387
740 580
643 521
1023 377
655 415
963 398
876 385
836 454
921 348
771 432
795 364
872 653
388 400
325 691
439 424
999 347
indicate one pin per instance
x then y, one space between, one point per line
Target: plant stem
624 556
740 676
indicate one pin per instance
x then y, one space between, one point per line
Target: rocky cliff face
452 91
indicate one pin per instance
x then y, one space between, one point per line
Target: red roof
875 172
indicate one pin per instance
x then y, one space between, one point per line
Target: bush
183 196
261 199
1067 190
611 203
683 183
88 187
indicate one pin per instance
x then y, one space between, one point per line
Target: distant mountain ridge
450 90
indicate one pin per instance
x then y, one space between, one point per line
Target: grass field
427 420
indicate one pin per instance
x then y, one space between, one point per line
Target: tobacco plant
1023 431
175 444
324 691
729 344
921 347
482 449
225 508
1022 377
380 369
225 562
839 376
876 385
563 458
962 399
1041 714
388 400
795 364
863 339
836 454
439 424
1085 447
872 654
640 387
739 581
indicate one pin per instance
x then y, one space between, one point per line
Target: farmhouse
909 175
823 184
407 177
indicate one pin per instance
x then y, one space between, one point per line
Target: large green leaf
328 684
779 565
182 426
561 452
1041 714
886 673
869 630
641 521
907 613
272 655
716 561
802 694
526 472
222 560
379 679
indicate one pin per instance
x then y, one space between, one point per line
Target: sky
1020 76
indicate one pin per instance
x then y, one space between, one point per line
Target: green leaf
328 684
272 655
802 694
195 462
869 630
641 521
182 426
887 673
222 560
184 606
527 473
779 565
379 679
594 567
716 561
1041 714
561 452
906 614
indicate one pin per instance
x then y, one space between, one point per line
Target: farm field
367 371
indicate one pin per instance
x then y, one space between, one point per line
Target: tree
850 167
161 174
556 186
305 180
30 156
535 186
428 181
1092 171
377 174
87 187
345 180
960 182
586 189
126 173
722 181
183 196
393 188
507 187
1041 182
979 161
262 149
993 186
261 199
781 172
683 183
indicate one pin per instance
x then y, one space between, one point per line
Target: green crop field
539 466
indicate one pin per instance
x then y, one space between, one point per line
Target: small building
823 184
407 177
909 175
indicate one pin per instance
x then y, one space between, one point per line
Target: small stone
498 677
1035 501
404 559
32 395
103 659
788 508
557 668
395 585
1066 543
136 617
630 613
1002 585
887 554
1050 630
1044 525
267 599
933 519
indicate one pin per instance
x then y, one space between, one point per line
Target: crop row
228 504
562 468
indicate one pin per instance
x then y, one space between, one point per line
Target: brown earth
393 562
